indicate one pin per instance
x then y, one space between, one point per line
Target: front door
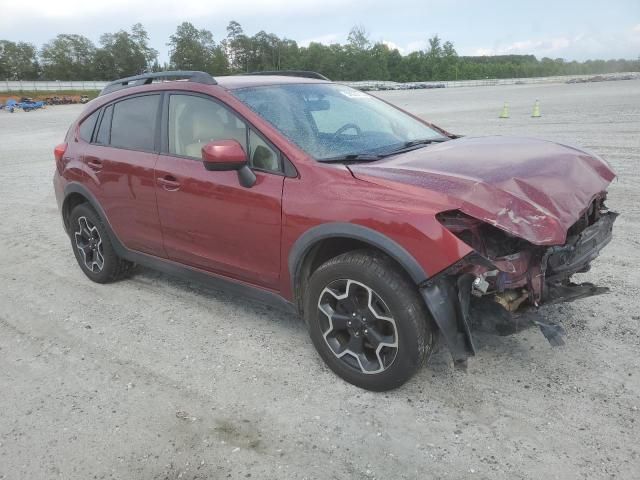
208 219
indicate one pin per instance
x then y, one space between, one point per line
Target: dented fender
518 284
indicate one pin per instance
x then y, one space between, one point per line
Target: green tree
379 64
264 52
18 61
124 53
68 57
358 39
327 60
359 64
432 59
415 65
236 47
141 41
449 62
397 66
193 49
435 47
288 55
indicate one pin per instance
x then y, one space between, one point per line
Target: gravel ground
154 377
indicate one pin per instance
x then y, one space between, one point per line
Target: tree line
127 52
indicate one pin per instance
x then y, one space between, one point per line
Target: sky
569 29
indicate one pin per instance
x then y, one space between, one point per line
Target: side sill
209 279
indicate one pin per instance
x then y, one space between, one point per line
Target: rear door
208 219
121 160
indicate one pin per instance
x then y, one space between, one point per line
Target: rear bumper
522 283
58 189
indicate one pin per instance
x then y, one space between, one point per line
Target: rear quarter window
88 125
103 134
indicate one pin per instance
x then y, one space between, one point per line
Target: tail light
58 152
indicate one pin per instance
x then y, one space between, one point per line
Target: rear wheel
367 320
93 248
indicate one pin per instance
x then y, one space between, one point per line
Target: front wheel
367 320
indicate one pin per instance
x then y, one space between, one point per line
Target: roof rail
147 78
291 73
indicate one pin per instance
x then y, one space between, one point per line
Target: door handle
169 182
94 164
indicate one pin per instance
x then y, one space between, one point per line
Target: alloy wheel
357 326
89 244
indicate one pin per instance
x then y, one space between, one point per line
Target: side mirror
225 155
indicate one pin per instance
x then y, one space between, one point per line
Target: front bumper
520 283
576 255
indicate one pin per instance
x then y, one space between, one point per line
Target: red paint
531 188
226 152
124 183
174 208
213 223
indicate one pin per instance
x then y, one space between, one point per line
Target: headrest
206 126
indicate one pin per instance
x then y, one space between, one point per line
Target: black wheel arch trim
325 231
84 191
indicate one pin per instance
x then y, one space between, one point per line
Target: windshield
330 121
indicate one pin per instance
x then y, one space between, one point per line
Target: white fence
16 86
32 85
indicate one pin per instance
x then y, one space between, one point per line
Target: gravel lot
154 377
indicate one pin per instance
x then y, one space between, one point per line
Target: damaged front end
500 285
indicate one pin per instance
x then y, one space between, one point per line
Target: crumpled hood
533 189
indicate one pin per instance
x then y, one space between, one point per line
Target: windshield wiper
414 144
354 157
424 141
372 157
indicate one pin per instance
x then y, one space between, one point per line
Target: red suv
380 229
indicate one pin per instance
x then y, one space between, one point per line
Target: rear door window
134 123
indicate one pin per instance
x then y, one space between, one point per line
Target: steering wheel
348 126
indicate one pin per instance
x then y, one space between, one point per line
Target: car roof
228 82
232 82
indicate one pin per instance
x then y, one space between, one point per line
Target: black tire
111 268
395 297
